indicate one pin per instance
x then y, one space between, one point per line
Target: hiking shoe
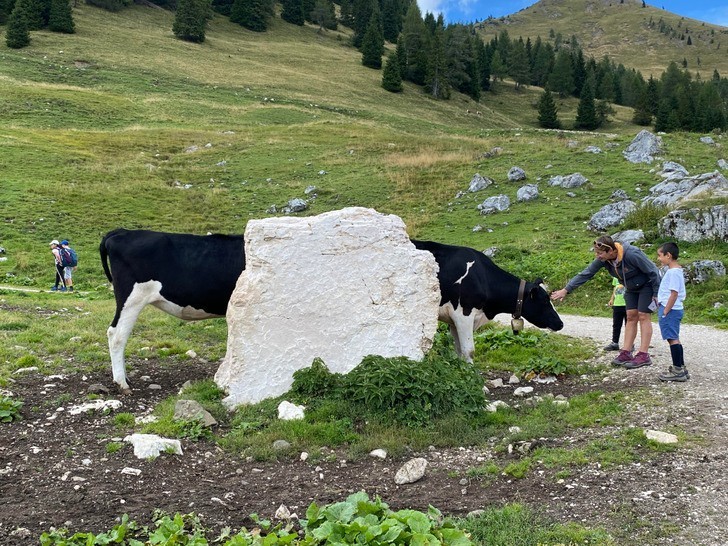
612 347
640 359
622 358
63 289
675 374
70 288
54 288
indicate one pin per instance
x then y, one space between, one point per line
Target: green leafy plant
314 382
546 365
9 409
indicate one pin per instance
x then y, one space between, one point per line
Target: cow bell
517 325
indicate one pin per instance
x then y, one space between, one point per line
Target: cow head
538 309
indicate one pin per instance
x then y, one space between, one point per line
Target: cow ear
538 281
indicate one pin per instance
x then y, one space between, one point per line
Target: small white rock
661 437
378 453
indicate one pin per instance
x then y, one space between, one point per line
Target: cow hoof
124 391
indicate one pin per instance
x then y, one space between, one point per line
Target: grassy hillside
96 132
622 31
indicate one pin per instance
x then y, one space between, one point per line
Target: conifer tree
16 34
391 20
252 14
346 16
190 20
36 14
324 15
372 47
416 44
498 68
392 75
561 80
547 111
436 81
361 12
292 12
518 65
6 7
61 18
586 112
308 7
642 114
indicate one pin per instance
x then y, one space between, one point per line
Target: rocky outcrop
497 203
702 270
516 174
338 286
693 225
630 236
675 191
529 192
643 148
478 183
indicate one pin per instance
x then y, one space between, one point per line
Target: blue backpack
69 258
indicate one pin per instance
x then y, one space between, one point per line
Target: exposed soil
55 469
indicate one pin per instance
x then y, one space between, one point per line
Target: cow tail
103 251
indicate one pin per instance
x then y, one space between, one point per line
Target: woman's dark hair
604 242
671 249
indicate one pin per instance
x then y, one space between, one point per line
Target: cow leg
464 328
455 338
127 313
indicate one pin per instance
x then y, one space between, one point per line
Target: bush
9 409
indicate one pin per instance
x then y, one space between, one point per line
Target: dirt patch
55 469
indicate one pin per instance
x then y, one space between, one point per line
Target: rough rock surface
497 203
630 236
611 215
529 192
696 224
479 183
569 181
338 286
643 148
701 270
516 174
673 192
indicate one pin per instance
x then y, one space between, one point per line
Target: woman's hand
559 294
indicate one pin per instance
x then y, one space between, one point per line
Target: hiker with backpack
66 261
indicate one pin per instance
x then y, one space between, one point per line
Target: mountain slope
647 39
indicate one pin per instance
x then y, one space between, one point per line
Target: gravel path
693 491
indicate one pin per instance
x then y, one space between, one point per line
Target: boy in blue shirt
670 297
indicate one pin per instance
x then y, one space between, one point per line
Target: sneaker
62 289
640 359
675 374
70 288
54 288
612 347
622 358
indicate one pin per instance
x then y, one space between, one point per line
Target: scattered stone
479 183
497 203
643 148
191 354
529 192
514 430
151 445
309 190
97 388
516 174
412 471
303 456
295 205
593 150
477 228
611 215
496 383
29 369
281 445
21 532
673 171
154 387
192 149
630 236
192 410
491 251
522 391
493 406
722 164
569 181
378 453
290 412
619 195
131 471
95 405
661 437
513 380
707 140
283 512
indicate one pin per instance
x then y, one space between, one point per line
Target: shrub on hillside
17 35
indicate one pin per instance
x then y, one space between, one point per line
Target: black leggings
619 317
59 276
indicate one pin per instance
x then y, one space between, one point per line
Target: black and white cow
188 276
474 290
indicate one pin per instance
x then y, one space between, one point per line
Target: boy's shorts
669 325
639 299
67 273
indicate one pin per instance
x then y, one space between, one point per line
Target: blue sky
711 11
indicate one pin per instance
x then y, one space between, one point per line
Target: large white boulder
339 286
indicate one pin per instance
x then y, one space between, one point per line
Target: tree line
441 58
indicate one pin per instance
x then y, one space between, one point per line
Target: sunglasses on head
602 246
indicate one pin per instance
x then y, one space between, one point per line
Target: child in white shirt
670 297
